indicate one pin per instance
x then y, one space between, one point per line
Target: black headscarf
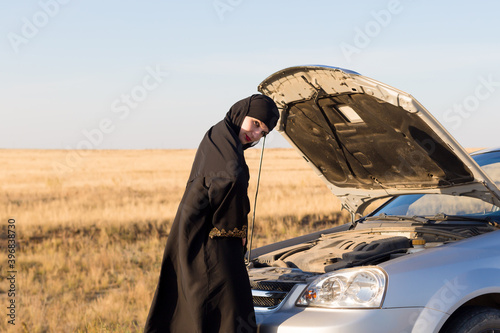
264 109
257 106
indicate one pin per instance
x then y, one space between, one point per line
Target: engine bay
369 244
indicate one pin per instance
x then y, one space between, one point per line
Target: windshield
429 205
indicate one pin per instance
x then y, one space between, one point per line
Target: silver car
426 260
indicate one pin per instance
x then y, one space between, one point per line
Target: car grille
269 294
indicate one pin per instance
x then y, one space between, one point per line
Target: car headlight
360 287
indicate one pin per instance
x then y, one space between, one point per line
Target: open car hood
367 140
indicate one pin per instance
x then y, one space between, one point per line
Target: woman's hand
243 241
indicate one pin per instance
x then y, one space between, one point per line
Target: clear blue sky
157 74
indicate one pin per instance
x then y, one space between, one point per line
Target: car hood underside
369 140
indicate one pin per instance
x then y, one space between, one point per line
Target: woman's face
252 130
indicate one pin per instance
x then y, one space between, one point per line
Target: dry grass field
91 228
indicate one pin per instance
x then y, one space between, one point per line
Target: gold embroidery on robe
231 233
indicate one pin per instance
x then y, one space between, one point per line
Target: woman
203 285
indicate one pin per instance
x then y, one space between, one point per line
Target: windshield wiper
385 217
445 217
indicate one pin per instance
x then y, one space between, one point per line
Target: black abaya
203 285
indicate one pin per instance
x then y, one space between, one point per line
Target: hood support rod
255 204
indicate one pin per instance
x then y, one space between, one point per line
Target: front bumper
342 321
288 318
